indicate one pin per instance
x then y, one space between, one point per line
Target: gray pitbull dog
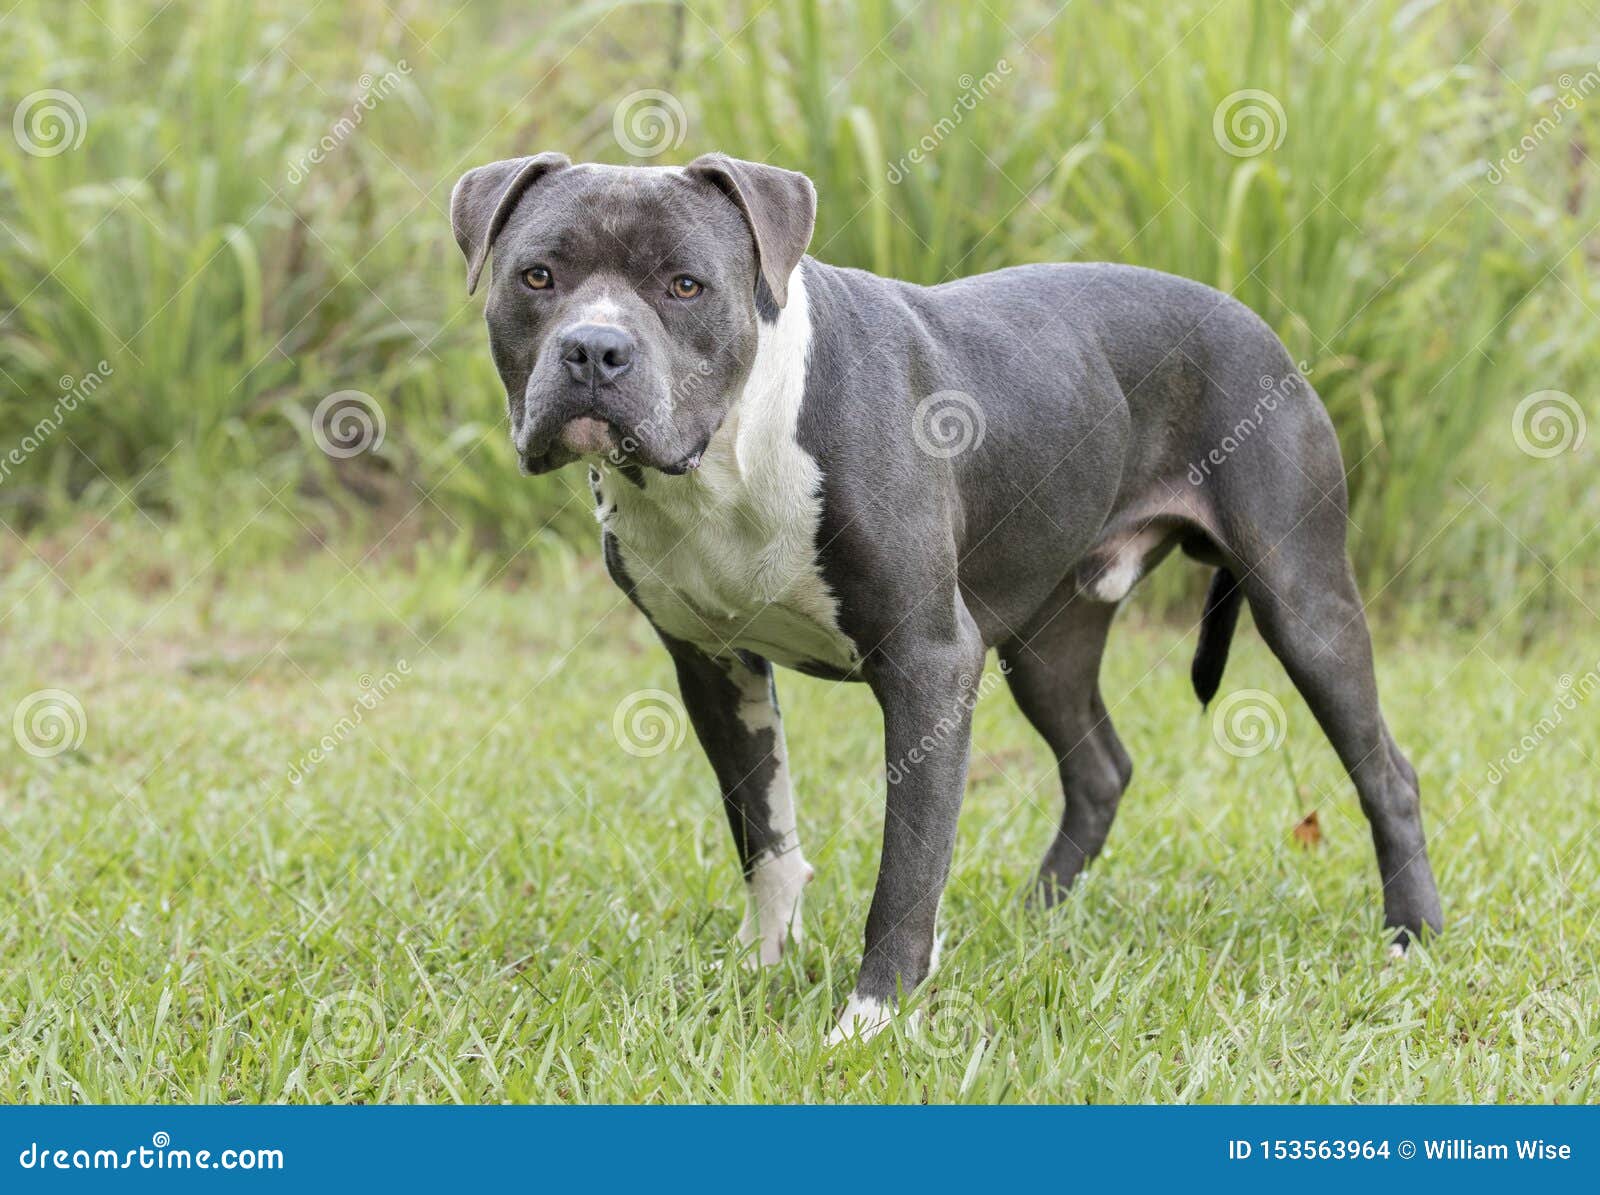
868 480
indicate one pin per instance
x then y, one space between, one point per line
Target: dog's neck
764 419
756 452
740 530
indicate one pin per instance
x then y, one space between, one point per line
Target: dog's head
625 301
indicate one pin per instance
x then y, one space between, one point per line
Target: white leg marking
862 1019
778 879
772 903
865 1018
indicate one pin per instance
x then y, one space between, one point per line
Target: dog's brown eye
685 287
538 278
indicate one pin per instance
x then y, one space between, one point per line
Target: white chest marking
725 556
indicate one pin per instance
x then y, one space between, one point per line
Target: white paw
772 907
1397 952
862 1019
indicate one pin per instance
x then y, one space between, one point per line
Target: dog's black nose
596 354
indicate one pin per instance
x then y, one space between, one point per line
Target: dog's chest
729 563
725 557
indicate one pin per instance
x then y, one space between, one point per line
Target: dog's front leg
734 708
927 681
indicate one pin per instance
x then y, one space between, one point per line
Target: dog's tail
1216 634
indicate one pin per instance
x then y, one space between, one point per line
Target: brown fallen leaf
1308 831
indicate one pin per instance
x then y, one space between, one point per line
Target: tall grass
230 284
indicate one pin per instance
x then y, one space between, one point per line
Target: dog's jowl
866 480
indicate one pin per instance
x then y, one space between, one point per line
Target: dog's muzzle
596 355
574 407
587 436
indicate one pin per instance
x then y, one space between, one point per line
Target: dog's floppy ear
779 205
483 200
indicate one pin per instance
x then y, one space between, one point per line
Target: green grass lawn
478 895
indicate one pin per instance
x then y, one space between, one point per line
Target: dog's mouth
588 436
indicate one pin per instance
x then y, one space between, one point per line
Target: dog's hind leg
1266 487
733 706
1054 674
1278 514
1310 614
